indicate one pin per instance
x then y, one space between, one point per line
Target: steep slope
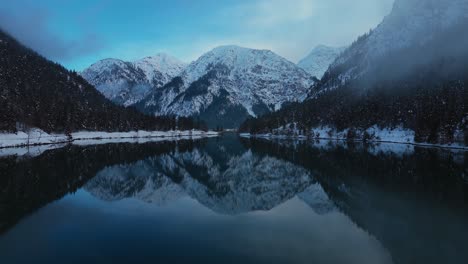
412 24
127 83
411 72
228 84
38 93
319 59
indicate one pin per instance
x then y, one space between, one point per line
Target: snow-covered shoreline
374 134
36 137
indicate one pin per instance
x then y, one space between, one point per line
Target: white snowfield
38 137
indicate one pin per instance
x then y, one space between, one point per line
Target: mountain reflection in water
230 200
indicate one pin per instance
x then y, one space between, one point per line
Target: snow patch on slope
318 61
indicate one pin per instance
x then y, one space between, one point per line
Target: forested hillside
35 92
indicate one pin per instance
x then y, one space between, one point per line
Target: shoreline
426 145
37 137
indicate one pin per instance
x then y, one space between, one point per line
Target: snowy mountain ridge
127 83
163 67
231 79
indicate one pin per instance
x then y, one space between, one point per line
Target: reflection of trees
30 183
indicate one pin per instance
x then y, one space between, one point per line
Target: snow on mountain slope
118 81
231 79
411 23
127 83
160 69
318 61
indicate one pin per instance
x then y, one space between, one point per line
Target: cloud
32 28
294 27
269 13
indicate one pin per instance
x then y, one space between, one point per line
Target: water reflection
242 184
237 200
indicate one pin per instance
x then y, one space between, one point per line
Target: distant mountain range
223 87
228 84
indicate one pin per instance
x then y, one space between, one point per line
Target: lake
235 200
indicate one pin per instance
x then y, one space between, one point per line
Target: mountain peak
128 82
160 64
224 48
161 58
238 59
229 83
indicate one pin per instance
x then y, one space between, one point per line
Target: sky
77 33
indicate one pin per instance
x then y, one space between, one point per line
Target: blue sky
77 33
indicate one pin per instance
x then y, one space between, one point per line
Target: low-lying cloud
32 29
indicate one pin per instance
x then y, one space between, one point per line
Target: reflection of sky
82 226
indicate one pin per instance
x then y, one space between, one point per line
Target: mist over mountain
416 33
410 71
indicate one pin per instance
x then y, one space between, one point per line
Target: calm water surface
232 200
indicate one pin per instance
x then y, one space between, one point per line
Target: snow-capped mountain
318 61
411 24
127 83
230 83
